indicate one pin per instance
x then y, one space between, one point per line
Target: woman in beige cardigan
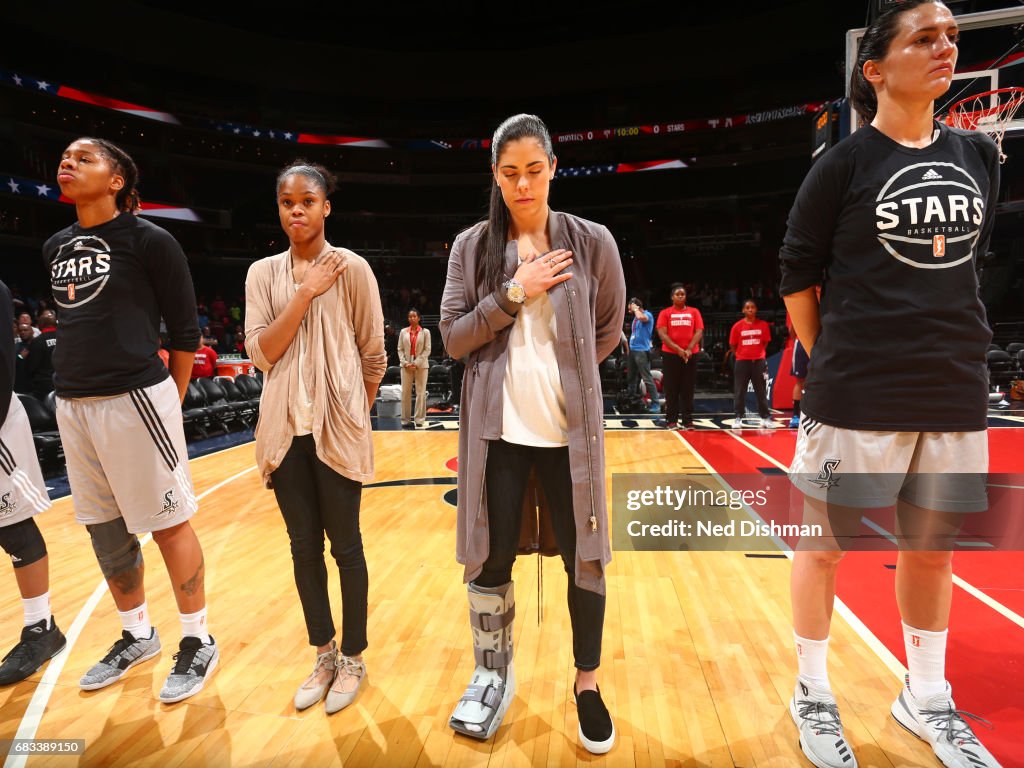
314 325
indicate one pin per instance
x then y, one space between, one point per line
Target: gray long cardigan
589 311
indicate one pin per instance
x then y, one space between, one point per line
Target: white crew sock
194 625
926 660
36 609
812 660
136 621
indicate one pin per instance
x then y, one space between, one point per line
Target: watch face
516 293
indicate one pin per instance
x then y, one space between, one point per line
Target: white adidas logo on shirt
930 175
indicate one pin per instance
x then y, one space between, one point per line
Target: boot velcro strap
492 622
488 695
492 659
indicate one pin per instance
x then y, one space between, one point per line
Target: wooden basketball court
697 670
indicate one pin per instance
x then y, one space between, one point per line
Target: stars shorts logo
7 506
826 476
170 506
929 215
80 270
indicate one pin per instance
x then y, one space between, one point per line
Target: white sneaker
816 715
768 424
737 423
937 721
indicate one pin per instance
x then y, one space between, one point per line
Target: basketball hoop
991 112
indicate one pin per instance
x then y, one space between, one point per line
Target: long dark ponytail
490 263
873 47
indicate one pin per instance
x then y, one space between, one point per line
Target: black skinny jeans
752 371
313 499
508 469
678 379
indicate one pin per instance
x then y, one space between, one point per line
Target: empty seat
195 416
221 411
250 387
1001 367
45 436
439 385
246 410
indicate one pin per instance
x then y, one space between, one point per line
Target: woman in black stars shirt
890 223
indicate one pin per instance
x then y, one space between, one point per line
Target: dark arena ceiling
392 69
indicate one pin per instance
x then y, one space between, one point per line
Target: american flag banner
600 170
35 189
67 92
22 187
297 136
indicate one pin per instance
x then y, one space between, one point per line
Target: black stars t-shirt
112 284
892 234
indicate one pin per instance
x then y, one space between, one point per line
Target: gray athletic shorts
942 471
22 490
127 458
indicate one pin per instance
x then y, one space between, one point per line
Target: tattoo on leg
127 581
195 583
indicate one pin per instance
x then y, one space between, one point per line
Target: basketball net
990 112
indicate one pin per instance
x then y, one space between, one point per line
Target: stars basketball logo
826 477
80 270
170 506
928 215
7 507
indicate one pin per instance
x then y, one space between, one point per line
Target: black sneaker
38 643
597 733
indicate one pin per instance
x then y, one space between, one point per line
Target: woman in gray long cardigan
534 299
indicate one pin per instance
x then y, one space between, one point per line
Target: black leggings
508 468
753 371
313 499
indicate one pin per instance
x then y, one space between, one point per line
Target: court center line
966 586
37 706
853 621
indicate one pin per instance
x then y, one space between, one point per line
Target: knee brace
116 549
23 542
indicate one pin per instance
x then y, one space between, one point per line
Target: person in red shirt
680 328
747 340
205 364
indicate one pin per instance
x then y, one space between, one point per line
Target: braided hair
127 200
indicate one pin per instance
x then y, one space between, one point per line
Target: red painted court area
985 658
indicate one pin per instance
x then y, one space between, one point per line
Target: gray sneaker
193 664
938 722
122 656
816 715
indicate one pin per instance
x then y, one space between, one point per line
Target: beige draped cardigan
344 349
